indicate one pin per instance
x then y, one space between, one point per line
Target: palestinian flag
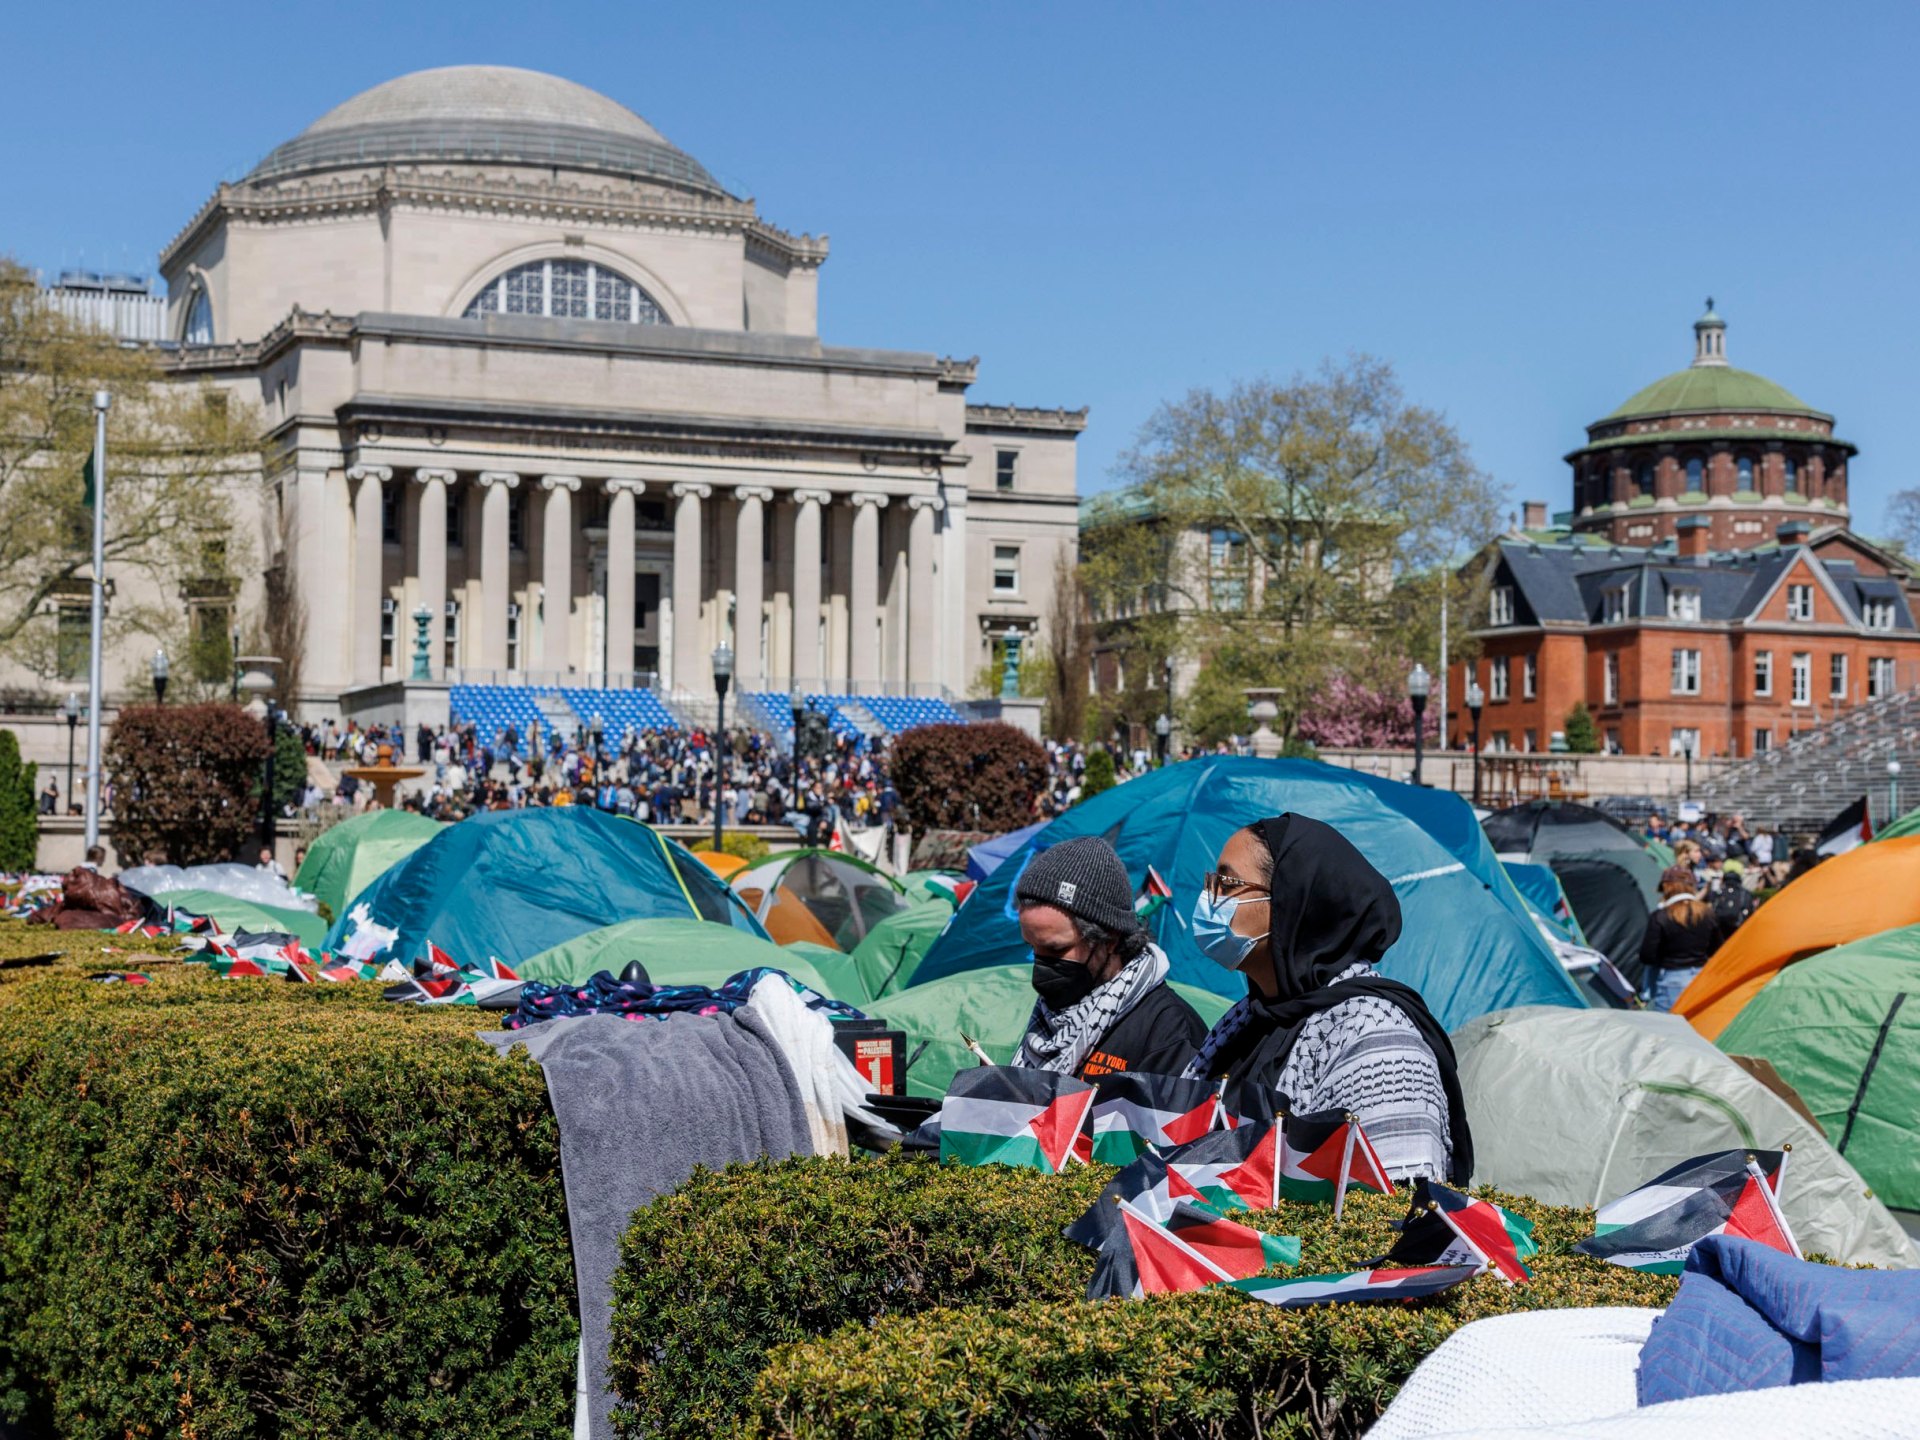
1192 1247
342 969
1143 1184
438 959
490 968
1324 1155
1363 1285
1654 1228
995 1114
1154 893
1133 1112
1500 1238
1849 828
1228 1169
229 967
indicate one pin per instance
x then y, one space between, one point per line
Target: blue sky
1521 206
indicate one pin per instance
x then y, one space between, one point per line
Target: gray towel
640 1104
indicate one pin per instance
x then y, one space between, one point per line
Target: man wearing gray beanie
1105 1006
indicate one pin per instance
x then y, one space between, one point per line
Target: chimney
1690 538
1533 514
1794 532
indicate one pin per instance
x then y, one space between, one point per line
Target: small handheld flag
1191 1248
1363 1285
1655 1227
1134 1112
1000 1115
1448 1228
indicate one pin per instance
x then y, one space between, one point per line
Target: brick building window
1763 672
1837 677
1744 466
1683 604
1879 614
1529 676
1800 602
1610 678
1500 742
1683 741
1879 677
1790 472
1686 672
1643 482
1762 741
1529 740
1803 679
1696 473
1499 675
1616 603
1613 741
1500 605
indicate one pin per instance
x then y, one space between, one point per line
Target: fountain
386 776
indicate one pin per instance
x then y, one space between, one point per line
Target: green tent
675 952
1907 824
992 1004
886 960
1843 1029
346 859
231 915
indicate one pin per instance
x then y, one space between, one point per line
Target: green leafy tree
19 817
289 768
1099 777
1582 736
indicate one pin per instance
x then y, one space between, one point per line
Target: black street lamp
1163 729
269 812
722 674
160 677
796 705
72 708
597 729
1686 750
1419 683
1476 697
1166 676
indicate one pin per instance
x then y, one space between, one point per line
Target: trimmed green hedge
893 1296
237 1207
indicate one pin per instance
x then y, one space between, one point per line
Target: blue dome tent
1468 943
510 884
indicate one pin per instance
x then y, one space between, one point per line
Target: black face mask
1062 984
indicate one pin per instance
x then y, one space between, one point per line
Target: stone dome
466 114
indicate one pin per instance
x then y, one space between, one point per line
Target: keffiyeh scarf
1058 1040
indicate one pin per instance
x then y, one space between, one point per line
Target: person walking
1682 935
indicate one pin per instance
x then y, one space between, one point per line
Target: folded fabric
1843 1410
1750 1318
638 1000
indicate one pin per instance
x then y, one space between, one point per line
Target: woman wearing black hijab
1301 913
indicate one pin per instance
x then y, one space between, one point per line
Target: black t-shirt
1156 1037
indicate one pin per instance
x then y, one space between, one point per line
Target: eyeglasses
1218 883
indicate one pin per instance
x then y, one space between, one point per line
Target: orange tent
725 866
1869 889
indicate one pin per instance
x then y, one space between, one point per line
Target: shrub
186 781
289 769
1099 775
968 777
19 812
818 1298
750 848
239 1208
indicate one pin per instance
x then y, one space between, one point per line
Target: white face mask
1213 930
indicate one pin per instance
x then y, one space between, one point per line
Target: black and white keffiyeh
1058 1040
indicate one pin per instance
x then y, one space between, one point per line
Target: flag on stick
1499 1237
1325 1154
999 1115
1655 1227
1193 1247
1366 1285
1133 1112
1851 827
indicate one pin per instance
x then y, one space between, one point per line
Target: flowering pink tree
1350 714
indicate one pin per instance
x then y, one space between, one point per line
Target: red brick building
1733 622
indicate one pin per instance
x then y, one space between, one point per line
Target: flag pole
101 401
1773 1205
1346 1166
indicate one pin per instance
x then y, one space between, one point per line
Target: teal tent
1540 889
350 856
1467 944
675 952
990 1005
231 915
509 884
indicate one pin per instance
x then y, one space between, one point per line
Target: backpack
1733 904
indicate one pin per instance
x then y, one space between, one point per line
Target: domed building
1727 445
531 371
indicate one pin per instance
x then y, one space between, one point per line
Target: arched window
1745 466
1694 471
1792 473
570 289
199 328
1645 480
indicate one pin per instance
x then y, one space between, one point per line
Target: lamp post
796 705
1686 751
722 674
1476 697
72 708
160 671
597 728
1893 791
1163 729
1419 685
255 675
1010 664
1166 677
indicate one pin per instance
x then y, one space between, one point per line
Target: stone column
368 560
556 574
863 642
749 584
923 626
809 665
430 550
689 555
495 488
619 659
959 635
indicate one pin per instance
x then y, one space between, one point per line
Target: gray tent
1577 1107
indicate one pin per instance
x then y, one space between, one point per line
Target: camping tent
675 952
1606 899
1540 888
350 856
1907 824
238 882
231 915
930 884
1467 942
724 865
1578 1107
1869 889
989 855
822 896
1610 876
992 1005
1843 1030
508 884
891 954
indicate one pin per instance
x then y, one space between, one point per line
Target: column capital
560 482
811 497
682 489
376 473
499 477
926 502
868 497
427 477
626 487
762 493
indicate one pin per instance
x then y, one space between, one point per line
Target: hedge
237 1208
894 1296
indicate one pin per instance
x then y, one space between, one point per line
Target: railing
653 680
